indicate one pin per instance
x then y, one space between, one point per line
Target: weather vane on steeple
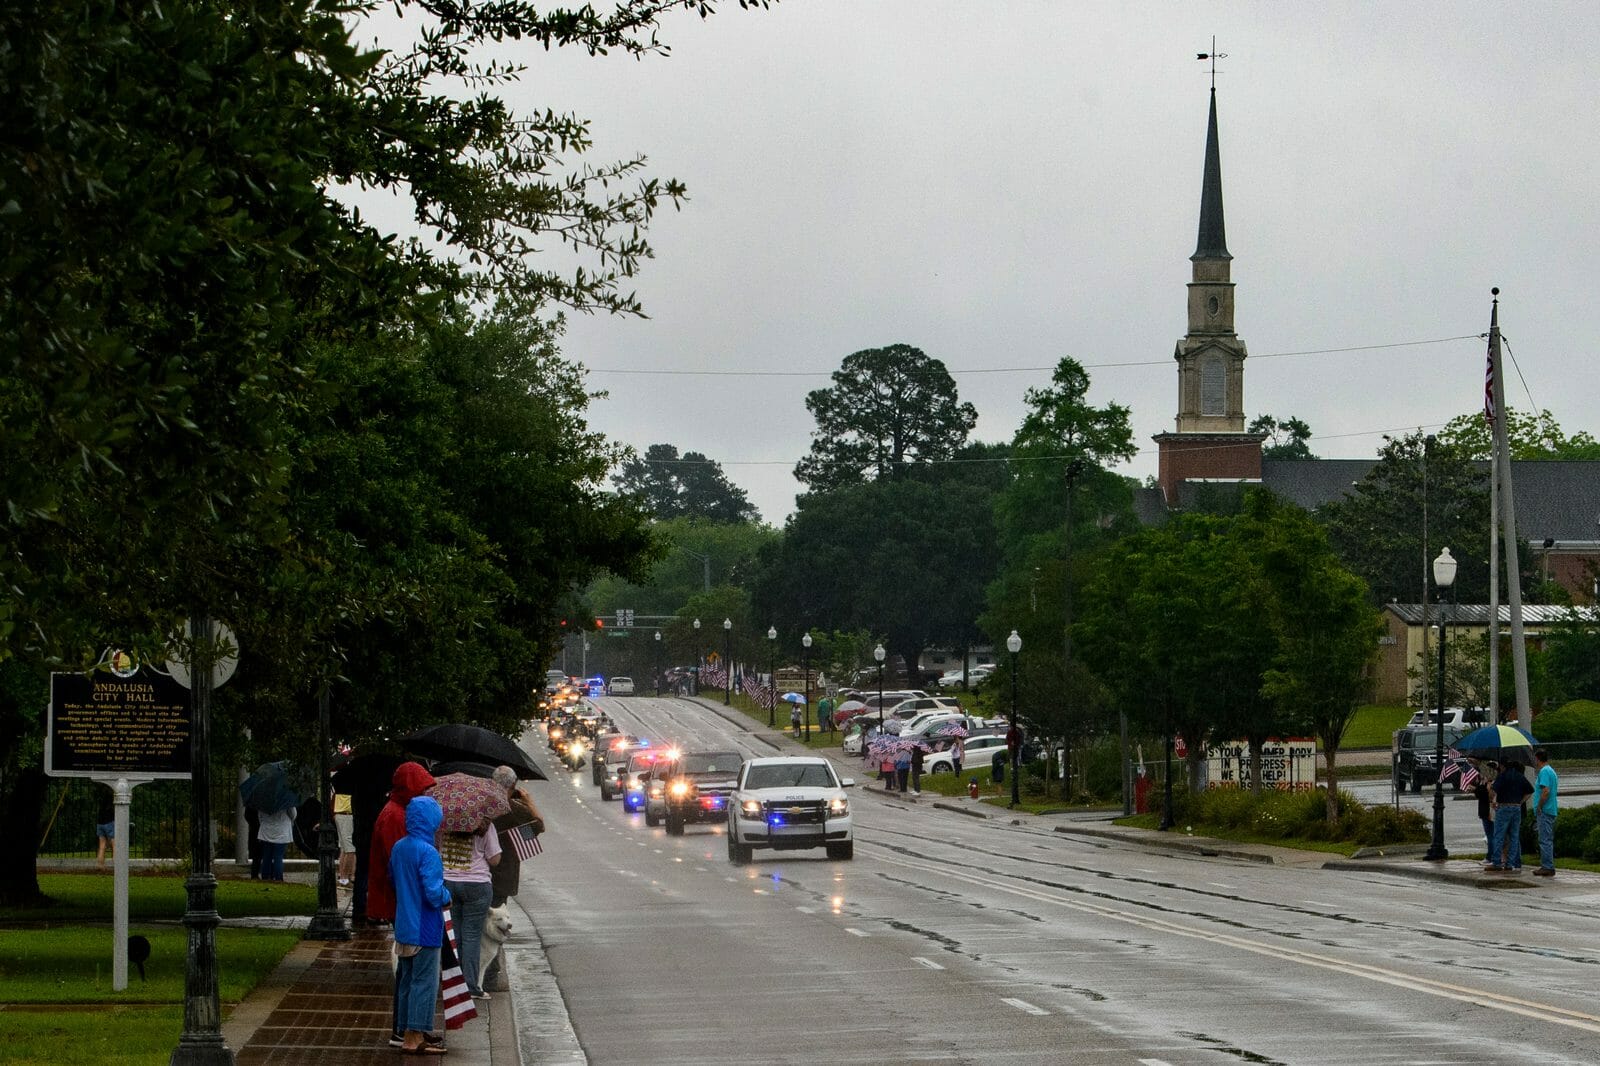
1213 55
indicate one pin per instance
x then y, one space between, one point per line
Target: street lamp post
879 654
694 675
1444 576
328 923
1166 810
727 661
658 662
1014 645
805 642
772 675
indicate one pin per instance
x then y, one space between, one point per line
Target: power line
1020 369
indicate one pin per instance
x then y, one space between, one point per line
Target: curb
960 810
1195 846
1429 872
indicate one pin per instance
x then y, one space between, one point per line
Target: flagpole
1519 650
1494 541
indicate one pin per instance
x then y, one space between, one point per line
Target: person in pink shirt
468 859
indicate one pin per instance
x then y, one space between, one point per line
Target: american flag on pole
1488 387
458 1008
525 842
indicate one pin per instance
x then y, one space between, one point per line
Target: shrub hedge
1301 815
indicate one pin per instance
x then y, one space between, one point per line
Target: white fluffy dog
496 928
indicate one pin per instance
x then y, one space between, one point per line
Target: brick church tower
1210 442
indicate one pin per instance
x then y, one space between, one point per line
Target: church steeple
1210 442
1213 239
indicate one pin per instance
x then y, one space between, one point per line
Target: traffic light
599 623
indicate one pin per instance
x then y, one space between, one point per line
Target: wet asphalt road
954 939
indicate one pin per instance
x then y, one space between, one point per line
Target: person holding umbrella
277 833
1508 793
470 849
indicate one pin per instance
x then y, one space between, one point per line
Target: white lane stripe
856 932
1023 1005
805 910
929 963
1154 1062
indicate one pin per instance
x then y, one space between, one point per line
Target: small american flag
525 842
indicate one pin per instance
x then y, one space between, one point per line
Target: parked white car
620 686
978 754
907 710
926 721
789 803
974 677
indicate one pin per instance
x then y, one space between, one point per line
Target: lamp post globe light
1014 645
879 654
658 662
727 661
694 674
805 642
1444 576
772 676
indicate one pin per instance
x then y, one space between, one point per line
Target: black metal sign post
201 1043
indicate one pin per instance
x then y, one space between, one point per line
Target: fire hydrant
972 788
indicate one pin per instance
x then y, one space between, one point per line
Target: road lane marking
805 910
1528 1008
856 932
1442 925
929 963
1154 1062
1023 1005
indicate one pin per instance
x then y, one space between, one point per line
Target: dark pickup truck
696 787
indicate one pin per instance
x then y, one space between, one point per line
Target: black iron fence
158 819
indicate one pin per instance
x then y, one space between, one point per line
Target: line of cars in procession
781 803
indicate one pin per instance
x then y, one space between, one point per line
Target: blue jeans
1547 839
416 985
469 906
1508 836
272 860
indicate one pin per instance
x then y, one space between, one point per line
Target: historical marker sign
103 725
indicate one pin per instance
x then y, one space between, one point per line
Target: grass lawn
1373 726
55 967
127 1036
154 898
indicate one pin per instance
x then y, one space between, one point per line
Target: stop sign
1180 747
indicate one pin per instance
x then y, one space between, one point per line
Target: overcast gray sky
1004 183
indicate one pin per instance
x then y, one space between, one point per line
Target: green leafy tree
1327 633
1377 528
904 559
1529 435
1572 656
689 486
1287 438
888 408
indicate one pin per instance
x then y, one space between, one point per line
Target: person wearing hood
410 780
416 874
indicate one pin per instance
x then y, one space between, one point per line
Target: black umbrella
365 775
473 743
460 766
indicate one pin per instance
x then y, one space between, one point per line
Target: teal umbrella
1498 742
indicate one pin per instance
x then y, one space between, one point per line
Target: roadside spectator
1480 791
105 827
252 822
345 821
1545 809
794 719
886 771
277 833
1509 791
916 770
506 875
825 714
958 751
417 875
409 780
468 860
902 767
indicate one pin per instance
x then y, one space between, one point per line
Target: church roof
1558 499
1213 240
1477 614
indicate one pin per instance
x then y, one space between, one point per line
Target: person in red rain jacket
410 780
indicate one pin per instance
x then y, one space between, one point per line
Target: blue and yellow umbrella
1498 742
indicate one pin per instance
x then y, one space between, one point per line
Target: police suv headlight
838 805
750 808
679 789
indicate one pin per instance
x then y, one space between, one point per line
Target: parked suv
1416 760
789 802
696 786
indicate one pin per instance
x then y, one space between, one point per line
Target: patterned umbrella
468 801
792 697
1498 742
